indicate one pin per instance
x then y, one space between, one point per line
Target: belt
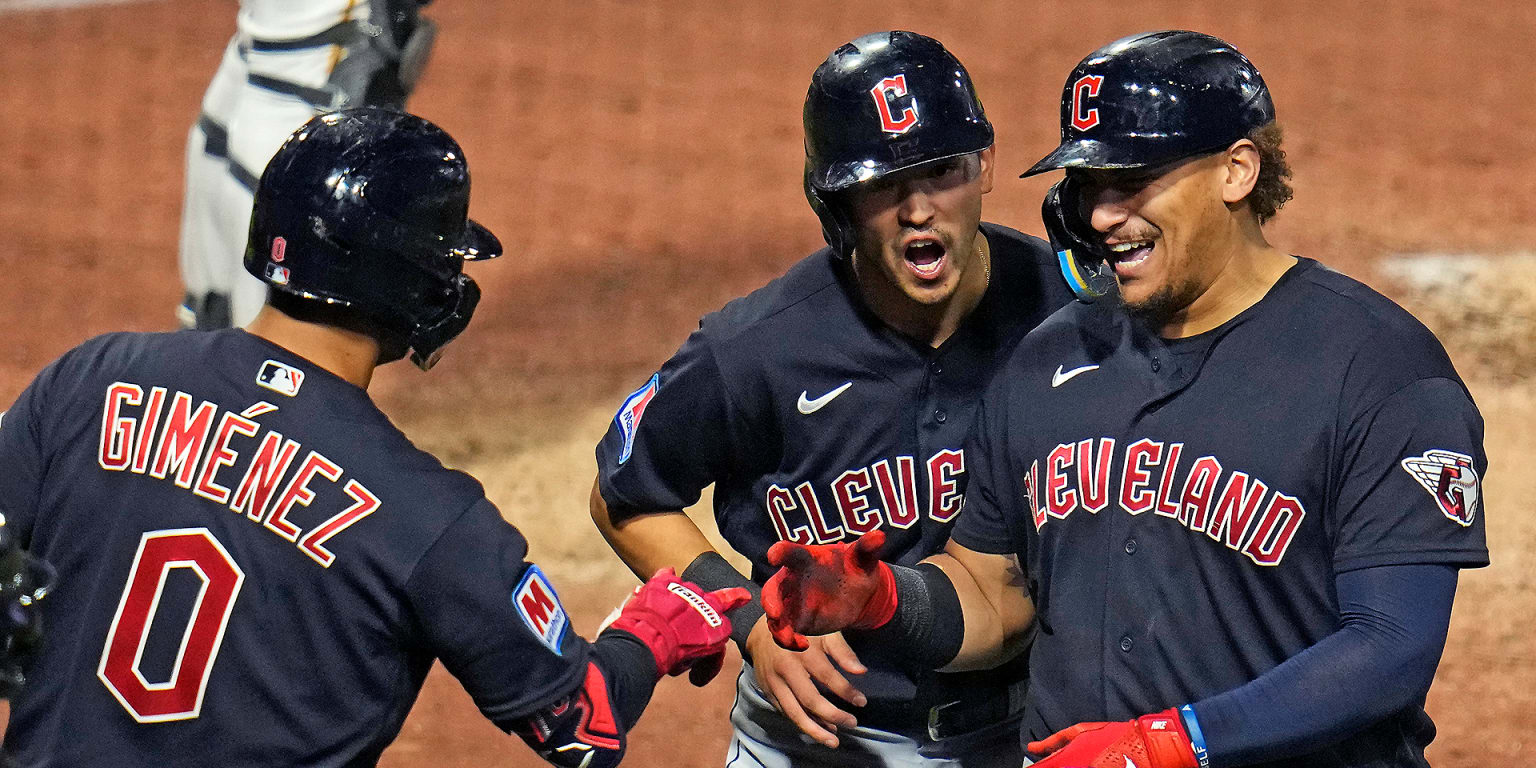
973 712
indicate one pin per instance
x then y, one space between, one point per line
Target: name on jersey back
162 435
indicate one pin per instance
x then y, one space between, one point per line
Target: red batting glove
684 626
1150 741
826 588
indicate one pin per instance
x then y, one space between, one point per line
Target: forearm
647 543
997 614
1381 660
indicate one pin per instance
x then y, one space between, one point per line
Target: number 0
181 697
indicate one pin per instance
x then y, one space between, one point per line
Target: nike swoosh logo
808 406
1059 378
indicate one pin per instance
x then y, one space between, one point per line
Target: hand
788 679
684 626
1150 741
827 588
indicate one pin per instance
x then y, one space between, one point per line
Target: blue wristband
1196 738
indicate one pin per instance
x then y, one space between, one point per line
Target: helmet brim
479 243
1087 153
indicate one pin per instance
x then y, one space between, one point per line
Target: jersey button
1157 365
1130 546
937 367
1126 643
940 416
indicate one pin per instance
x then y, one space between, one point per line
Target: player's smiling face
1160 227
918 227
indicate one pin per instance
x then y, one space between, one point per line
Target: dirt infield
641 161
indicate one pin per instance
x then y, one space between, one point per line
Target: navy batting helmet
1141 102
883 103
368 208
1156 97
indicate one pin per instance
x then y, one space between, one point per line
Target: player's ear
1241 163
988 158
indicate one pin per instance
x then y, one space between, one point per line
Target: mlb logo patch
536 601
1451 479
277 274
628 417
280 378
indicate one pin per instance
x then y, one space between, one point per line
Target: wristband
710 571
1196 738
927 627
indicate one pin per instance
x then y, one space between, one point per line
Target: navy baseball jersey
817 422
1182 507
256 567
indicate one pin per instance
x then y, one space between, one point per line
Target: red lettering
537 605
1032 493
1059 499
900 501
298 493
1135 496
262 477
116 447
944 496
1085 88
1093 475
365 504
780 503
882 93
1166 506
1235 508
824 534
148 422
182 442
1195 512
852 504
1275 530
219 455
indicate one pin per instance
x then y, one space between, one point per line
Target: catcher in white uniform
288 61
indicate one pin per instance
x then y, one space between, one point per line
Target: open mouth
1129 255
925 258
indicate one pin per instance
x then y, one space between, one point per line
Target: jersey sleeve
494 619
993 495
21 454
670 438
24 428
1411 485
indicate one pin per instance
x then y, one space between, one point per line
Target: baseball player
288 61
834 401
1236 494
258 568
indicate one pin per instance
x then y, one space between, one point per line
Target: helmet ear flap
1080 253
428 338
836 224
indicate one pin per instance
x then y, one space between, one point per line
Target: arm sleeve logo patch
280 378
1451 479
628 417
540 608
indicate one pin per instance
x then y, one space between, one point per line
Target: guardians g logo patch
1451 479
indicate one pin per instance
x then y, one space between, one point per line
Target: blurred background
641 162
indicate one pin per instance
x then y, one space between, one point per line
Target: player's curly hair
1271 190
